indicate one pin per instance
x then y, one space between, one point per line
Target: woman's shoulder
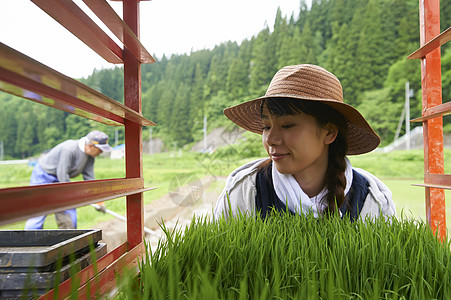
244 171
374 182
239 191
379 199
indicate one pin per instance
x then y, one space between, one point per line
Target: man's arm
88 172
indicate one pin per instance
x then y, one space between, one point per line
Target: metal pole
431 83
150 141
116 137
407 104
205 133
398 129
122 218
1 150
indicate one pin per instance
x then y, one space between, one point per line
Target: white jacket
240 189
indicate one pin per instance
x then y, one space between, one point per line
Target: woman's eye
266 127
287 125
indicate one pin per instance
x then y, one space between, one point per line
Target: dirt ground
176 209
180 205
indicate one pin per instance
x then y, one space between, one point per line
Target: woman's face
297 144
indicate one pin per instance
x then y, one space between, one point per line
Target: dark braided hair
324 114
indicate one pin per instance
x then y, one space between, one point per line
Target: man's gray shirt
67 161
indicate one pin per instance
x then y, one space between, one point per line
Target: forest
363 42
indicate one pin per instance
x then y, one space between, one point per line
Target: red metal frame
70 195
69 15
27 78
24 77
133 132
120 29
80 24
99 279
436 42
433 110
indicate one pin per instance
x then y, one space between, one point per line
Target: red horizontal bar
107 281
440 181
22 202
103 271
25 87
76 21
120 29
434 112
437 186
436 42
39 80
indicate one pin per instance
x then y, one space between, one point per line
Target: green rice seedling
292 257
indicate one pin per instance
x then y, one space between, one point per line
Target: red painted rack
22 76
435 181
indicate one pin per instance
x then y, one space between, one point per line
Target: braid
335 175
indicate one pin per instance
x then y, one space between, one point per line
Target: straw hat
312 83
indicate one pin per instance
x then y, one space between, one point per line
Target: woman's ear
331 133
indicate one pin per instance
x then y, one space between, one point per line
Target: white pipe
122 218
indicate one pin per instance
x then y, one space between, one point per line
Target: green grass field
399 170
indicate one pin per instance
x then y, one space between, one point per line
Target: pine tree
8 125
166 104
150 103
261 69
308 47
407 33
351 72
237 79
197 101
373 49
181 123
297 51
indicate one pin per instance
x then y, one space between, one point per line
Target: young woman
307 131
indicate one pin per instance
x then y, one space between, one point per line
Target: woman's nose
273 137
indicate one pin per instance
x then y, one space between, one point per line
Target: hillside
363 42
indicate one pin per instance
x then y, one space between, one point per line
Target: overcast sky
167 27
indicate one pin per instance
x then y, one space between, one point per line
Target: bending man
67 160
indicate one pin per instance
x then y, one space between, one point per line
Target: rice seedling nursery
292 257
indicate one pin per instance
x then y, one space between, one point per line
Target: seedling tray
40 249
14 285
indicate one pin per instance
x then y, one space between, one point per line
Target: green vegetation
399 170
247 258
291 257
159 170
364 42
397 164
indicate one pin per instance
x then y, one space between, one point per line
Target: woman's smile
278 156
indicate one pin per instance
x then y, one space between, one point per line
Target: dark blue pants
65 220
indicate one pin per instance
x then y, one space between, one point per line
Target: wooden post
133 131
433 128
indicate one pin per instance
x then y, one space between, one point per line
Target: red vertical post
433 129
133 131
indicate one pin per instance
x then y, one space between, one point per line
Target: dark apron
266 199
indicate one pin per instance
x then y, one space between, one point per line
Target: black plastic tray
18 284
41 248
